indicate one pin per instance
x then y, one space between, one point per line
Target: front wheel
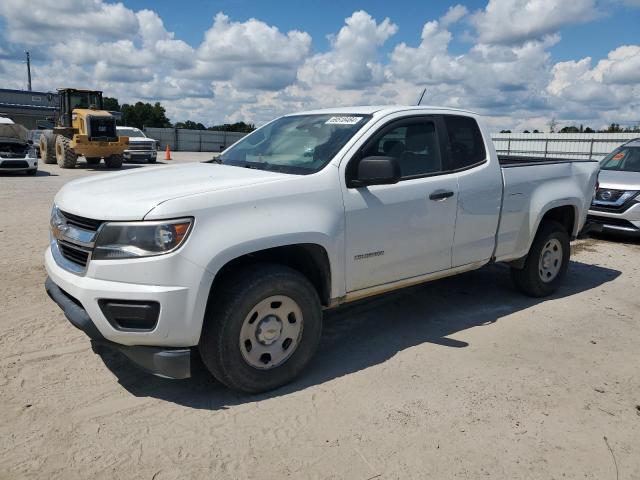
114 161
65 156
263 328
547 262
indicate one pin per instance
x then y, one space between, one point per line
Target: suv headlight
118 240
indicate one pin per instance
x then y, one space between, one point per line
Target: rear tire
93 160
48 148
114 161
65 155
547 261
266 308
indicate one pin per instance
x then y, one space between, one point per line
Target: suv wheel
263 328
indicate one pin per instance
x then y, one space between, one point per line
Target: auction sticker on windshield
343 120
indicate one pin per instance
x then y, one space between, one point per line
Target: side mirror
376 170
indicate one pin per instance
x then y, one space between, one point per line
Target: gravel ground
460 378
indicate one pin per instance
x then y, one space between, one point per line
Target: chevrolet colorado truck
235 259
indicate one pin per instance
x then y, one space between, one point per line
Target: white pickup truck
237 258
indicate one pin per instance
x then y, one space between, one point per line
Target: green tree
143 115
234 127
111 104
190 125
570 129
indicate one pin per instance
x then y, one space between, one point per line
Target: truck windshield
299 144
85 100
625 159
130 132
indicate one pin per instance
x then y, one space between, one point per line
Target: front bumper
626 222
140 154
18 164
163 362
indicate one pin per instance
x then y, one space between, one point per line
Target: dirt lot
461 378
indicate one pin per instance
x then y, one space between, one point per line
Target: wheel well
565 215
309 259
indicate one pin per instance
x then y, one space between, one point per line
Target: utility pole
28 68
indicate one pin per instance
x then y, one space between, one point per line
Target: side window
467 146
414 145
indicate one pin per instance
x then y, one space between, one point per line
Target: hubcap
550 260
271 332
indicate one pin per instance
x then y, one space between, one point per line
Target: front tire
48 148
114 161
65 155
262 329
547 261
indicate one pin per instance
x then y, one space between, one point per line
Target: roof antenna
422 96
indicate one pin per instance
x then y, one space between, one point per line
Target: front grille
102 129
141 147
73 253
72 250
14 164
82 222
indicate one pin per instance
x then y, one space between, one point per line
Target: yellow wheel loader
82 128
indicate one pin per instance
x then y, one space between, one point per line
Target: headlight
612 197
118 240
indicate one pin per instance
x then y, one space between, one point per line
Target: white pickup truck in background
237 258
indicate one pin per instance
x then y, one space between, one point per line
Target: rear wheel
262 329
547 262
93 160
48 148
114 161
65 155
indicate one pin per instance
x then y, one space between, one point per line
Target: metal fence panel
180 139
567 145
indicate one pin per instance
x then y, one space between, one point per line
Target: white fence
185 140
544 145
565 145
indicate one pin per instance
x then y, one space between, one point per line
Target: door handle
439 195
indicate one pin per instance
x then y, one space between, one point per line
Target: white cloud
453 15
516 21
40 21
351 62
612 86
252 54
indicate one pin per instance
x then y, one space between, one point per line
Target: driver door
403 230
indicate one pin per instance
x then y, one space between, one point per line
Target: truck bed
525 160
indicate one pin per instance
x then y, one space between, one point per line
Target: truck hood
617 180
140 140
132 194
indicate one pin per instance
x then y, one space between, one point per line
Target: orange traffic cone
167 153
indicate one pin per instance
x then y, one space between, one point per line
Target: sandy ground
461 378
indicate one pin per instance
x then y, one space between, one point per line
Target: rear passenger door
399 231
480 190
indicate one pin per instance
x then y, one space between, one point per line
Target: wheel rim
271 332
550 260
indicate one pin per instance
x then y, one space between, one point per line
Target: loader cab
71 98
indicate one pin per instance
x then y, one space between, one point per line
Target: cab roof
79 90
379 109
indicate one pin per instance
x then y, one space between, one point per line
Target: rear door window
465 141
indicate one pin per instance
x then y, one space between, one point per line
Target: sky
520 63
